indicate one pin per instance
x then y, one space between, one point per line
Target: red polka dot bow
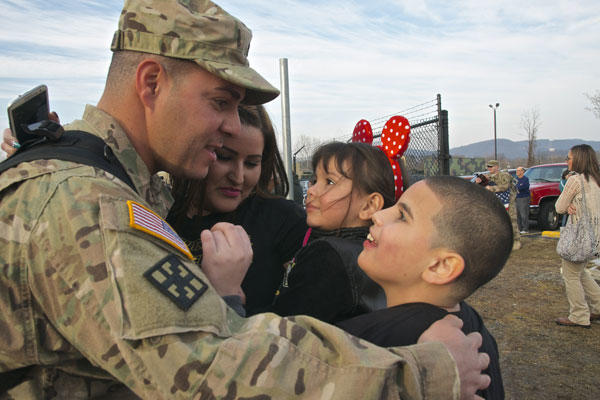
395 137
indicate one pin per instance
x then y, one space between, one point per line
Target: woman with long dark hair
245 186
578 282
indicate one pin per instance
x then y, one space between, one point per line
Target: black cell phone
27 109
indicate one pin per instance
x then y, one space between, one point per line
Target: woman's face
570 161
235 173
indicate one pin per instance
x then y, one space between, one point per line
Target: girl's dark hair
271 183
585 162
369 169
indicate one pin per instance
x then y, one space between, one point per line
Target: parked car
544 189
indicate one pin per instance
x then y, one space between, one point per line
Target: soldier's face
398 248
191 116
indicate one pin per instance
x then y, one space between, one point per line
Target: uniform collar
150 187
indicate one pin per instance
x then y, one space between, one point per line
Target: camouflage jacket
503 182
83 314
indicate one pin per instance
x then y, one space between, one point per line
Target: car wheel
548 217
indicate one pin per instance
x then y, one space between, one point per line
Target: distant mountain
513 150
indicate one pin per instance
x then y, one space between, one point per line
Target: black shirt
326 281
403 324
276 227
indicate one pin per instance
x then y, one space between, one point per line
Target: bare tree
304 148
595 100
530 122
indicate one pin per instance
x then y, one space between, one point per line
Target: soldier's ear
149 78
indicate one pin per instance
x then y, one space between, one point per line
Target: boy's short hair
475 224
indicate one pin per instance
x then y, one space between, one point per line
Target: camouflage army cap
197 30
492 163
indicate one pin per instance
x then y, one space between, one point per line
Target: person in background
324 280
421 253
298 195
500 182
583 293
522 200
236 190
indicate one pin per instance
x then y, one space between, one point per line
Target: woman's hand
226 256
571 209
10 144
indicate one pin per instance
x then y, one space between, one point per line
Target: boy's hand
463 348
226 256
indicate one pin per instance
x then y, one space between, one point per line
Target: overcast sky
352 59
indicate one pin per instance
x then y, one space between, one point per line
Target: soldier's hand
226 256
464 349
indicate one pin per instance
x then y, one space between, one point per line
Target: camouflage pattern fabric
78 319
197 30
503 182
466 165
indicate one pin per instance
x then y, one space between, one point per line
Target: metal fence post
285 117
444 146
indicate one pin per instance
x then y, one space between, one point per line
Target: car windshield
545 174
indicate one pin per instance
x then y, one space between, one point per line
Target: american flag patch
148 221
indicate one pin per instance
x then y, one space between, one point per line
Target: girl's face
235 173
330 201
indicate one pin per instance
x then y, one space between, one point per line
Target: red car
544 189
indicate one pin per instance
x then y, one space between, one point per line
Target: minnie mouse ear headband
395 137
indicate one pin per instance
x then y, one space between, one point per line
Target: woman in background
578 282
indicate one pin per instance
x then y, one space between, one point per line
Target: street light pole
495 147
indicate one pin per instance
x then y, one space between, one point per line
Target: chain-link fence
428 152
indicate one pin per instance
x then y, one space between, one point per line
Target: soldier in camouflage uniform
99 297
503 182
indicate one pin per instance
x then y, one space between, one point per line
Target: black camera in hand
484 179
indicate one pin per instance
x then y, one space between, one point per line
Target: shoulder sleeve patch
148 221
176 281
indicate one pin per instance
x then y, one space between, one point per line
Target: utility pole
495 146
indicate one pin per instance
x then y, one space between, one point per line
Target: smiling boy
442 240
